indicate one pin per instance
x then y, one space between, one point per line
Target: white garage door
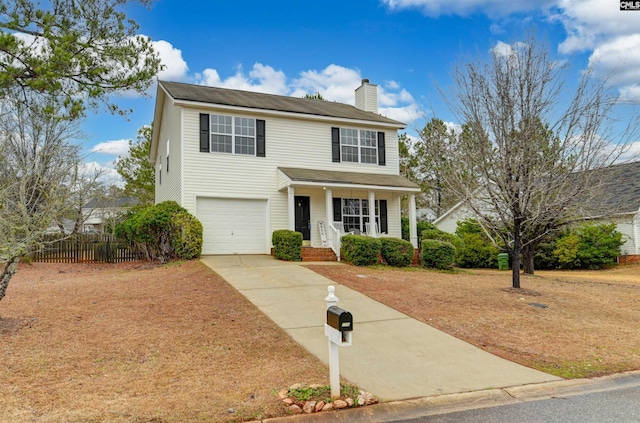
233 226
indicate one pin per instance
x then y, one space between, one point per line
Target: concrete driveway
393 356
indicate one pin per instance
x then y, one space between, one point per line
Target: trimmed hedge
438 235
360 250
396 252
437 254
287 245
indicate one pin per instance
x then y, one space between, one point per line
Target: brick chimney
367 97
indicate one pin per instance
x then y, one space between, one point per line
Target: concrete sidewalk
393 356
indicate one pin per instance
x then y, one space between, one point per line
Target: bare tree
535 144
38 171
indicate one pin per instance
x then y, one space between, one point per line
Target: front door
303 218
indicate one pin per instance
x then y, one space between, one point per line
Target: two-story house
247 164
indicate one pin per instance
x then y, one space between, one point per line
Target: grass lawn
136 342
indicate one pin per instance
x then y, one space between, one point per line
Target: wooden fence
81 248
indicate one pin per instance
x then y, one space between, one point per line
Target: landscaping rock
338 404
320 405
309 407
328 407
295 409
350 402
288 401
282 394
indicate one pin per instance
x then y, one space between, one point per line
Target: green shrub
437 254
187 235
287 245
163 232
438 235
590 246
421 226
396 252
476 251
360 250
544 257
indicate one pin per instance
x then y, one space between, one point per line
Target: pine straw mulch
572 324
135 342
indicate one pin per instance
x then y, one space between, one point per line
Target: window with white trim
358 145
235 135
355 214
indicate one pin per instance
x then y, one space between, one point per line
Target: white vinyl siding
289 143
170 189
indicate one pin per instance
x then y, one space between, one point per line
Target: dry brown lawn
140 343
590 325
143 343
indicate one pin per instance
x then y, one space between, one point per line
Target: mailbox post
338 330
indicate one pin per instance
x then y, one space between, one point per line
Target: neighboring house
67 227
98 212
247 164
621 198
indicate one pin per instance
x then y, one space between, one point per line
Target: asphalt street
617 406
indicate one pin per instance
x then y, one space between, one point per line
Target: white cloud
392 85
491 8
114 147
630 93
334 83
596 26
619 60
261 78
175 68
590 23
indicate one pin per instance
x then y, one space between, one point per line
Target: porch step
318 254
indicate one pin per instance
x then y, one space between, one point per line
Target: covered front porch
325 205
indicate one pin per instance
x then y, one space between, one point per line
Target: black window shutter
382 159
260 138
384 226
204 133
337 210
335 144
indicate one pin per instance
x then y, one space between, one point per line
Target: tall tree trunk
9 268
515 260
527 257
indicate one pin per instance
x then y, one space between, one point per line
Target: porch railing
336 240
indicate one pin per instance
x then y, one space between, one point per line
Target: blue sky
406 47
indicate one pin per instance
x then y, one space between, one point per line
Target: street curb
450 403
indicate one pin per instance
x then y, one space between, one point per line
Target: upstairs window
231 134
358 146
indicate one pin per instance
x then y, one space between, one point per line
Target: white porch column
328 206
413 235
292 208
328 199
372 215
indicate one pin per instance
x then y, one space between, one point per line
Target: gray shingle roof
103 203
335 177
253 100
623 187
